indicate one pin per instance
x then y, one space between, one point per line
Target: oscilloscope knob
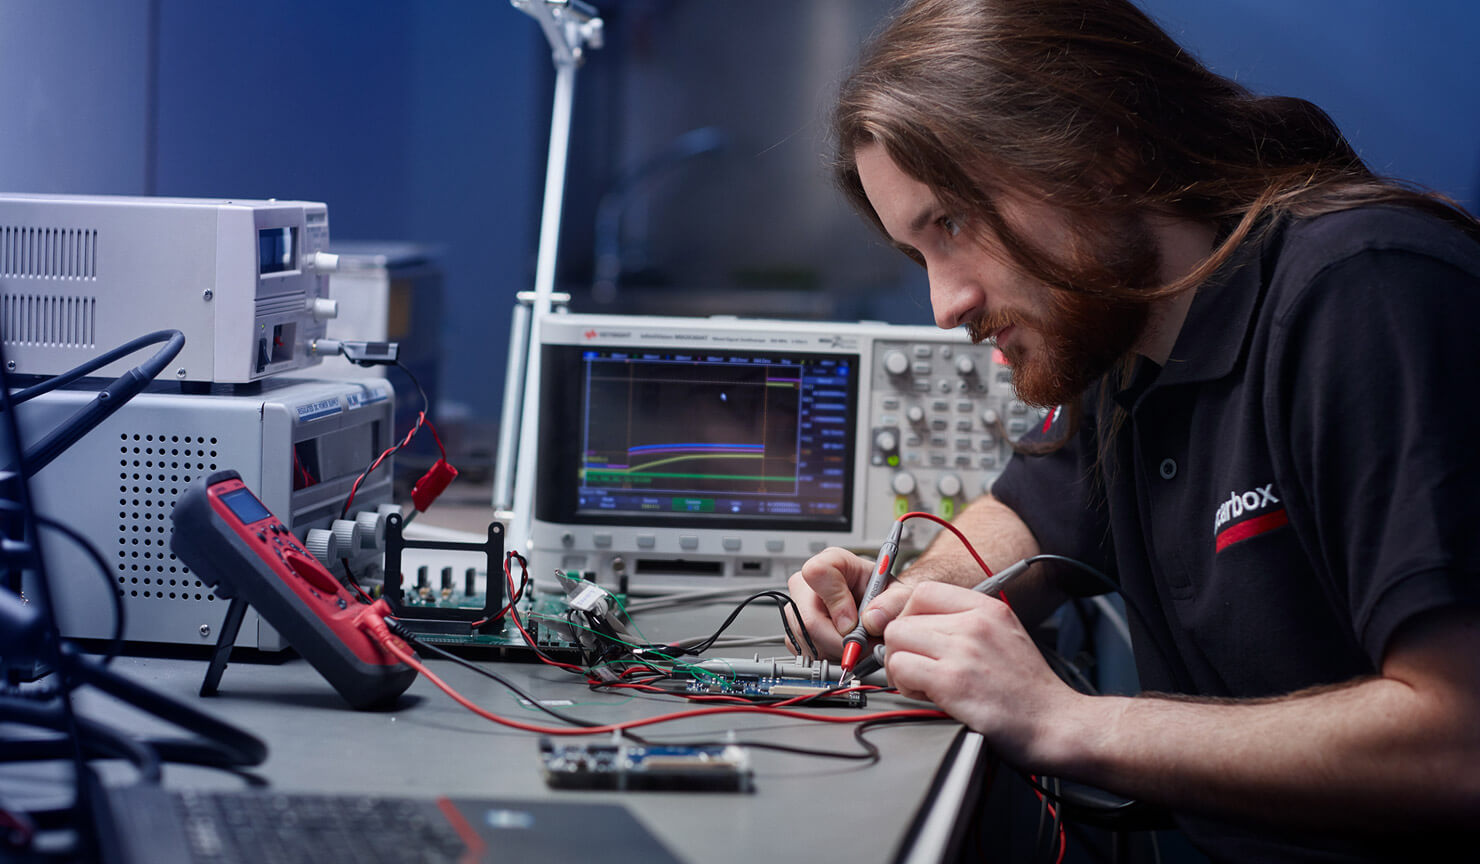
949 485
965 365
886 441
915 414
903 483
896 363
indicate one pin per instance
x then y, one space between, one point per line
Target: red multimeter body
235 545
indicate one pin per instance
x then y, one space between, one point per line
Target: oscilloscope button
647 541
730 544
775 545
601 541
688 542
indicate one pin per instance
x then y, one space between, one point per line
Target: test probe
857 638
991 586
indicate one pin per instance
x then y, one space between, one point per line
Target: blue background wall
428 121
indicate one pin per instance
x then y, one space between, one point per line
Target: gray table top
802 807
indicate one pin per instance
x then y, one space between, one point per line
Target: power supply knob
323 545
965 365
348 534
896 363
323 308
916 414
886 441
903 483
949 485
372 529
325 262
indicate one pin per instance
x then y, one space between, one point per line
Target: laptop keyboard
232 827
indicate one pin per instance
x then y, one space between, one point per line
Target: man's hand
969 654
827 589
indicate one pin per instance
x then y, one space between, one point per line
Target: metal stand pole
570 26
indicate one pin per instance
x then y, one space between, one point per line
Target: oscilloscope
694 452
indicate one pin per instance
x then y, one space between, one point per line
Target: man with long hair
1264 353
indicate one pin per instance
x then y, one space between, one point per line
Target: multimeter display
245 506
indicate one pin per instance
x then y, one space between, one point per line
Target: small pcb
762 689
628 767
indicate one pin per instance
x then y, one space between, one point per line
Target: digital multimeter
235 545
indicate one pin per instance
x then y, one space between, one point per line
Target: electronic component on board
762 689
630 767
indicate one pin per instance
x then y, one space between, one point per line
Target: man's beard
1083 335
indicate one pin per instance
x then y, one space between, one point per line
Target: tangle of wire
421 420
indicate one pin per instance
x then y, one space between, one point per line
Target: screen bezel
559 454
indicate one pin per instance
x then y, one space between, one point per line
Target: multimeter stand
230 626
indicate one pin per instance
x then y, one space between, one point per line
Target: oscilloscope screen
701 438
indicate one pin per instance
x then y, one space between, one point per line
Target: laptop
149 824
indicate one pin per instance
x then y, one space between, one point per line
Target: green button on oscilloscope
694 505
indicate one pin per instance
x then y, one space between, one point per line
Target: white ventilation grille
30 319
48 253
154 470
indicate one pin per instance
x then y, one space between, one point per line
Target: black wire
29 533
426 405
400 630
115 645
1056 827
1067 670
870 752
400 442
514 614
89 734
782 601
94 365
108 400
1130 604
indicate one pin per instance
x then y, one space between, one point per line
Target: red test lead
854 642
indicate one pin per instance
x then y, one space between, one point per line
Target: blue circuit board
632 767
762 689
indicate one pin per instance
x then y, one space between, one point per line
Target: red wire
410 659
437 438
1063 838
421 419
1001 595
918 514
514 616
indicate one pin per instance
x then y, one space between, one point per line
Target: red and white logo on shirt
1247 514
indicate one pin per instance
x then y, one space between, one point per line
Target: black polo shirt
1299 480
